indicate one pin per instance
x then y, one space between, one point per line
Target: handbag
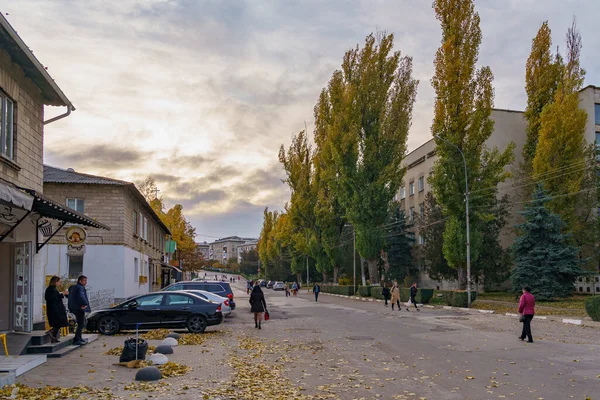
521 318
267 316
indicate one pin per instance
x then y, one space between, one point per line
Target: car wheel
108 325
196 324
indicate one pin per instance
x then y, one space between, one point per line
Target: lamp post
467 220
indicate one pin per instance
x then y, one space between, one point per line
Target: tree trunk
373 271
462 279
336 271
362 271
325 277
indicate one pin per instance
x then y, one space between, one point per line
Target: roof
21 54
69 176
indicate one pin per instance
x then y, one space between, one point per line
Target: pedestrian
248 287
55 309
413 296
286 287
527 311
295 288
78 306
395 295
316 290
385 292
257 305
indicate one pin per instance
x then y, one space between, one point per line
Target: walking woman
396 296
257 305
527 310
55 309
385 292
413 296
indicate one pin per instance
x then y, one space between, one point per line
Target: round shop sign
76 236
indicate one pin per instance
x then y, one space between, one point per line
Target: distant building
204 249
131 257
246 246
225 248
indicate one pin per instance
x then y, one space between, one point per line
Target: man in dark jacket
413 295
78 306
316 290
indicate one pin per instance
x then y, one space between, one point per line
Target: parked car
221 288
157 310
270 284
263 283
278 286
214 298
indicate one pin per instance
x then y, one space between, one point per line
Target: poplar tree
561 144
372 99
541 79
431 254
463 106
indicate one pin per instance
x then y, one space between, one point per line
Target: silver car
278 286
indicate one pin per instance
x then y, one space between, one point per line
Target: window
411 188
136 269
145 229
7 109
76 204
421 240
597 113
150 300
411 214
178 300
402 193
135 223
421 183
421 209
75 266
175 287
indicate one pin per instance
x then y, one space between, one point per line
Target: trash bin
129 350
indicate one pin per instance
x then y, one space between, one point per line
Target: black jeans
527 327
80 315
316 296
412 300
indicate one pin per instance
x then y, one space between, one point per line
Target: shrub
345 281
338 289
459 298
592 307
376 292
423 295
364 291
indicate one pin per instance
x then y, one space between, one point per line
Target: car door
143 310
177 309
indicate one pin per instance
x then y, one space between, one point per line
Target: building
204 249
130 258
249 245
509 126
223 249
28 218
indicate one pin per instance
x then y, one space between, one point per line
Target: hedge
376 292
459 298
423 295
364 291
338 289
592 307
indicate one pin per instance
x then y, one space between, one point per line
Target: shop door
22 290
6 262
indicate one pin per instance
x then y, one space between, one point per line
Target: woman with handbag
526 311
55 309
257 305
396 296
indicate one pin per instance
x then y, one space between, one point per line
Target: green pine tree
399 244
544 260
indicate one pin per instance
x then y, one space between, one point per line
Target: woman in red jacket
527 310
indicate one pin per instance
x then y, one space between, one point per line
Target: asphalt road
433 354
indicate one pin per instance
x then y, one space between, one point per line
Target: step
49 347
21 364
64 351
7 378
39 340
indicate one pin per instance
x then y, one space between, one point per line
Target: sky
201 94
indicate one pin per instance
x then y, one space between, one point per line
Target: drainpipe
61 116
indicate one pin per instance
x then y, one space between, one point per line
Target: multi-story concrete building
509 126
225 248
204 249
249 245
131 257
27 217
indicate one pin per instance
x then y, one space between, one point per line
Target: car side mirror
133 305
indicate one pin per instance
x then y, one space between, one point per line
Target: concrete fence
101 298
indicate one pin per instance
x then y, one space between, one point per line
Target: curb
571 321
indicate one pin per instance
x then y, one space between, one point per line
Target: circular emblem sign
76 235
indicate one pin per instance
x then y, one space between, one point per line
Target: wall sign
76 236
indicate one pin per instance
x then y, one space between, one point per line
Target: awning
49 208
15 197
165 265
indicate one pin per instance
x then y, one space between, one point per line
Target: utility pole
467 217
307 272
354 254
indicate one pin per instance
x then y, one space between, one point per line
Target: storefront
28 220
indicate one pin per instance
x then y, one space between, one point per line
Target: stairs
41 345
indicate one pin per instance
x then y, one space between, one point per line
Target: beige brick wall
28 145
154 246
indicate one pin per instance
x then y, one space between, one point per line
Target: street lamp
467 217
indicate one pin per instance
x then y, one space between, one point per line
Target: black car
223 289
263 283
270 284
157 310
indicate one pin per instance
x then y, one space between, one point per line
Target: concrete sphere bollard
158 359
163 349
174 335
169 342
148 374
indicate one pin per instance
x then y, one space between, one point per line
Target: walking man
286 287
316 290
413 296
385 292
78 306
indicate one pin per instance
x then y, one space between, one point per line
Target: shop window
76 204
7 109
75 266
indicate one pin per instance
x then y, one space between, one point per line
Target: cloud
201 94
